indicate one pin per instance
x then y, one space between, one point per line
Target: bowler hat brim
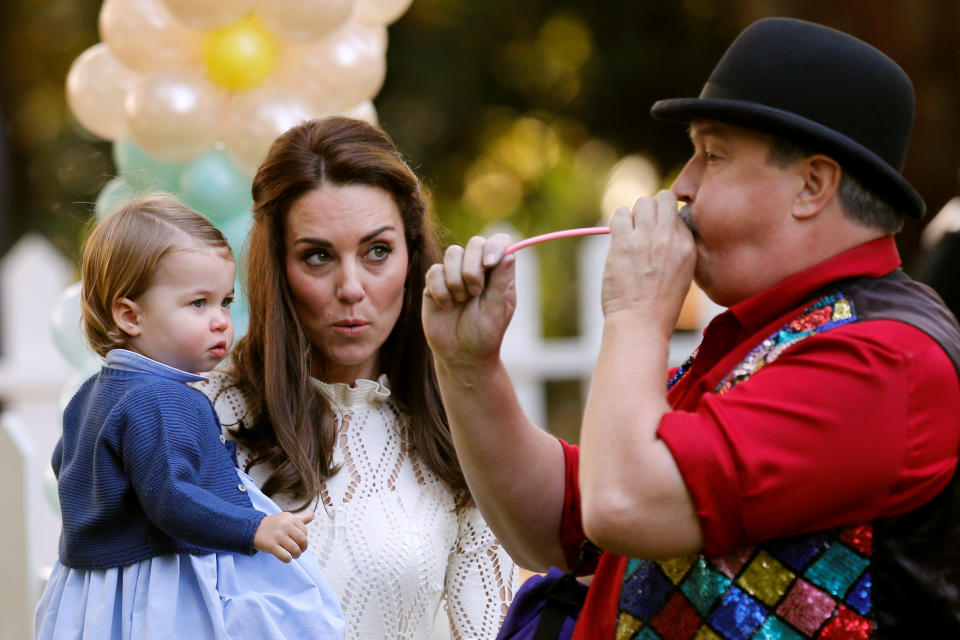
864 164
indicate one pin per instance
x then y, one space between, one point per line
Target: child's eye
379 251
227 302
199 303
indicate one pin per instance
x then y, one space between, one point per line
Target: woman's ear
821 178
126 315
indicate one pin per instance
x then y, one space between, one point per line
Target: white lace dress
386 531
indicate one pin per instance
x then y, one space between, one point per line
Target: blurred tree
55 168
514 112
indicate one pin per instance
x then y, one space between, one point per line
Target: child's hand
283 534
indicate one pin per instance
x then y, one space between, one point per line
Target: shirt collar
127 360
875 258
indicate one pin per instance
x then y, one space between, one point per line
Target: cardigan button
223 439
242 488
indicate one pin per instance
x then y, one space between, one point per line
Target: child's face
184 317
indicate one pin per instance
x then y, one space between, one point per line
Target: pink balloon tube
566 233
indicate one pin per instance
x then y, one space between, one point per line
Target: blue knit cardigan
142 471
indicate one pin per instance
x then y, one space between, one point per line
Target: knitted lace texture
387 532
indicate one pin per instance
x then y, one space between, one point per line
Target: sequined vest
892 578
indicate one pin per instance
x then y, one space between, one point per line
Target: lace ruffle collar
343 395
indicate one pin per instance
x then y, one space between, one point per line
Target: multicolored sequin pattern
826 313
813 586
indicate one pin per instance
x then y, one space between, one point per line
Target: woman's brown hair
289 427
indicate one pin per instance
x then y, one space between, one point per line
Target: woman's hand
466 311
283 534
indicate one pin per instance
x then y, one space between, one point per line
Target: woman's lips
350 328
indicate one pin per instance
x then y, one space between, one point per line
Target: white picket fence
35 378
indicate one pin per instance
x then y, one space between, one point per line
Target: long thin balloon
566 233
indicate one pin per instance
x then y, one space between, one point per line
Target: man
797 479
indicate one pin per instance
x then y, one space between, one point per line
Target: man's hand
465 312
650 263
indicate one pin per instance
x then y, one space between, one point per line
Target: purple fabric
529 601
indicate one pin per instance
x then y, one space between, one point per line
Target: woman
332 396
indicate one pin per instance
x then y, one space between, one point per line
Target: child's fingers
306 517
282 554
291 546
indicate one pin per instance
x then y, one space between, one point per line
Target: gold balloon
175 115
255 118
208 14
303 20
97 85
145 36
344 68
241 55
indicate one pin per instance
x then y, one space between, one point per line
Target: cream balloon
304 20
362 111
255 118
97 84
380 11
145 36
344 68
175 114
208 14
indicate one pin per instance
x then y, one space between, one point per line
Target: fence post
33 375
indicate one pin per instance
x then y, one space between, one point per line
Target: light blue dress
217 596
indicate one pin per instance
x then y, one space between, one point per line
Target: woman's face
346 263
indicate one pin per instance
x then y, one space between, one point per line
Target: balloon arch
193 92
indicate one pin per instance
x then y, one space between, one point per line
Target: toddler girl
161 531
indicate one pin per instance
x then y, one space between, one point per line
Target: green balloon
142 171
112 195
213 185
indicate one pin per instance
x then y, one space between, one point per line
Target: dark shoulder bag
546 607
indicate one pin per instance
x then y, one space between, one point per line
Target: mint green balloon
236 229
213 185
112 195
143 172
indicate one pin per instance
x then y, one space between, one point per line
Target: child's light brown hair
123 254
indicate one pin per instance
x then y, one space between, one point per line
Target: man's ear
821 178
126 315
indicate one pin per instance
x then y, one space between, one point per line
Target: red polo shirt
847 426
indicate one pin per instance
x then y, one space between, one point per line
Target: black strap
565 597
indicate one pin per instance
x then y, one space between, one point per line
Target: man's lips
687 216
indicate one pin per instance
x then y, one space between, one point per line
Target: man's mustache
686 215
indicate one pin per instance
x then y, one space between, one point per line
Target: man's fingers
472 269
436 285
621 222
453 272
493 249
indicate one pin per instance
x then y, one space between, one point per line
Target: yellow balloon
240 55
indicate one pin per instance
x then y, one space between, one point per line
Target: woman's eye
316 257
199 303
379 252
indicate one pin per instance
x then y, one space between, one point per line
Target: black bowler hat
821 88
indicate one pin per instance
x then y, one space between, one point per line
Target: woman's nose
349 285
